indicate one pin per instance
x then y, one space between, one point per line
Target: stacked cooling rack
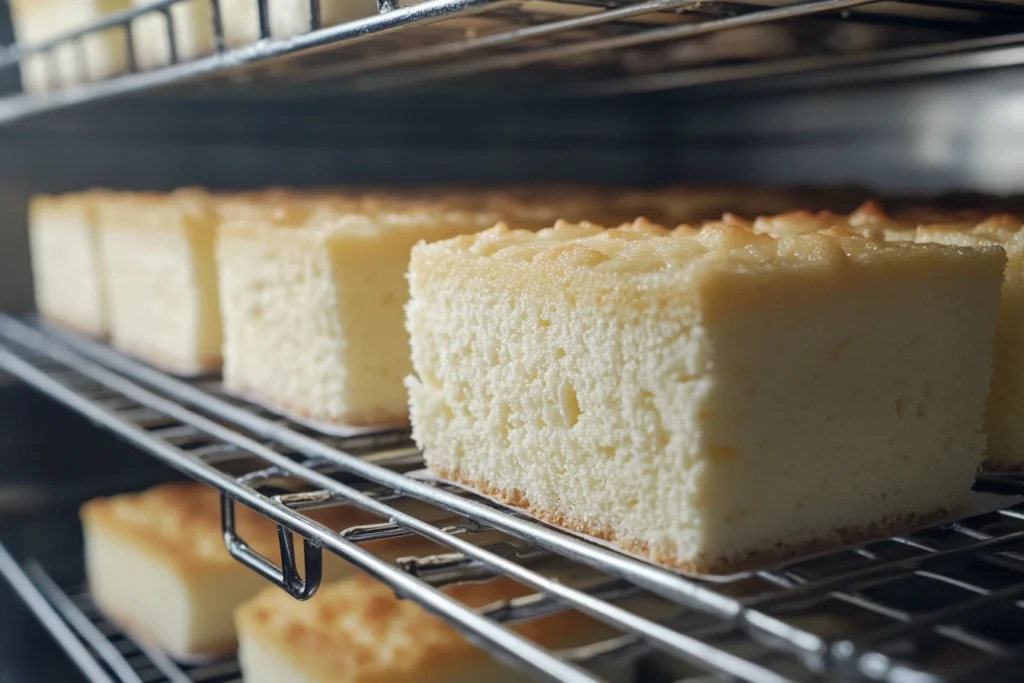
563 47
942 604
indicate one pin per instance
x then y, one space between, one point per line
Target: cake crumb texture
358 630
705 396
67 267
157 250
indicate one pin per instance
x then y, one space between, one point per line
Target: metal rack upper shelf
581 47
942 604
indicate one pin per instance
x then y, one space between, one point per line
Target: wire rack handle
286 576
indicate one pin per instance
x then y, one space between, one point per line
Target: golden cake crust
180 523
359 626
750 561
149 211
640 248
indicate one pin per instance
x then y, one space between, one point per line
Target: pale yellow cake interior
161 277
313 311
708 397
1005 417
66 264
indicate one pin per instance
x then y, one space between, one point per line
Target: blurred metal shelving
582 47
938 605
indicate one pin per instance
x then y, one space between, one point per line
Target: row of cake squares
157 566
711 398
301 294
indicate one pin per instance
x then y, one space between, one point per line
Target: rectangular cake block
66 264
358 631
1004 421
157 250
712 399
312 299
39 21
157 564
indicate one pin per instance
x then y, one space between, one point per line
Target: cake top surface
963 227
1002 229
365 214
645 248
67 203
187 207
357 629
181 521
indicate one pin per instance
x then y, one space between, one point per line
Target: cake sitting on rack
358 631
66 265
157 250
157 564
313 285
312 305
710 399
1004 421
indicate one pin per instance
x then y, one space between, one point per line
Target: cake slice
357 630
66 264
1004 421
157 564
312 297
711 399
100 54
157 250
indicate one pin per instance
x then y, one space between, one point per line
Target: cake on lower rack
157 564
157 250
712 399
358 631
66 265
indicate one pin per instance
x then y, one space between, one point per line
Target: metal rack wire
938 605
103 652
576 46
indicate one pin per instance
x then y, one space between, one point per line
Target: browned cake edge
750 561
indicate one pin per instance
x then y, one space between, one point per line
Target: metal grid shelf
582 47
943 604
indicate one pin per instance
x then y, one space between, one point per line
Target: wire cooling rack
943 604
589 47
